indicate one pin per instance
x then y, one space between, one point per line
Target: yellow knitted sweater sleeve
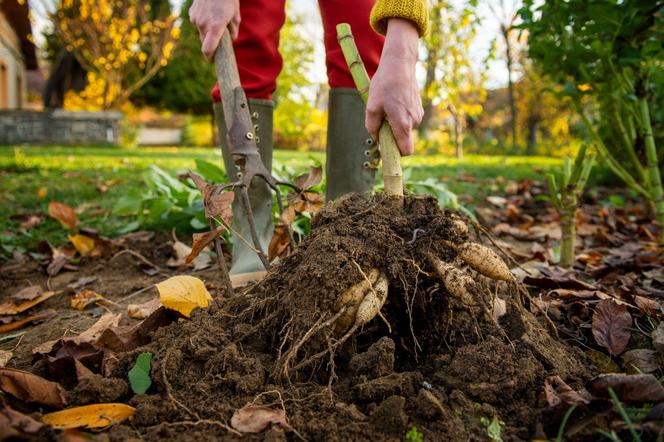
413 10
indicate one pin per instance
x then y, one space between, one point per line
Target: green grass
70 175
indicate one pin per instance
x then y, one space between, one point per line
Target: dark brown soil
433 361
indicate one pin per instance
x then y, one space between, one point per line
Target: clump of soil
430 360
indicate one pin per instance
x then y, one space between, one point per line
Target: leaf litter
388 392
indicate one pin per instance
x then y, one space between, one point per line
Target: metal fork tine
246 204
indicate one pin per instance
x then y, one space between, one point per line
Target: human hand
212 17
393 93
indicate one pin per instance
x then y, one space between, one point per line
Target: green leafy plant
414 435
565 193
139 375
607 54
493 428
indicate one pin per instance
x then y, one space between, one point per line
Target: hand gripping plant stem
565 196
389 151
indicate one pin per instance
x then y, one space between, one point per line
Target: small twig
225 276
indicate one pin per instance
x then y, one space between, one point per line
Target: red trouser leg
370 44
257 47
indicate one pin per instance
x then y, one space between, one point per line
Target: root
169 387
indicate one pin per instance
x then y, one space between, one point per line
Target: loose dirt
432 361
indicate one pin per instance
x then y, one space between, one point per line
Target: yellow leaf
183 293
83 244
42 192
90 416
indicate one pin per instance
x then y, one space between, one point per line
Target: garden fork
242 140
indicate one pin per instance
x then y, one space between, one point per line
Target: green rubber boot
352 155
245 259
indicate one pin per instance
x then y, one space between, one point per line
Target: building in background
17 53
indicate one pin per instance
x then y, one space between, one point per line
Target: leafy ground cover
93 179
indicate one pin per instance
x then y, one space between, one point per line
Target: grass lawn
74 175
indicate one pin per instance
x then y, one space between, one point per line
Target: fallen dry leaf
183 293
9 308
640 361
63 213
84 298
15 425
142 311
280 242
84 245
4 328
182 252
610 326
308 180
89 416
81 282
90 335
499 308
128 338
558 393
217 202
200 241
257 418
628 387
28 293
29 387
62 358
5 356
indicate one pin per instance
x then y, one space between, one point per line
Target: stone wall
59 127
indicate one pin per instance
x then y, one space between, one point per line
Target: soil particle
390 416
377 361
94 389
428 405
395 383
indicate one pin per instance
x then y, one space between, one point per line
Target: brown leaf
27 221
308 180
17 426
5 356
142 311
84 298
9 308
628 387
557 282
216 201
280 242
257 418
81 282
128 338
559 393
640 361
646 304
4 328
201 241
62 359
29 387
28 293
90 335
610 326
182 251
63 213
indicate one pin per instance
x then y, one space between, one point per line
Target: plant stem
657 194
568 239
389 151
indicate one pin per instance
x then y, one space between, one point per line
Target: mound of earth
445 364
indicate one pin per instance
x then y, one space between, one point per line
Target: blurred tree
607 55
184 84
506 15
451 83
109 39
